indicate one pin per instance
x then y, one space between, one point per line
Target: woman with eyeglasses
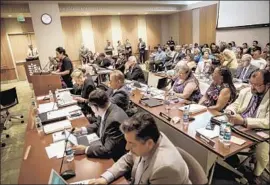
221 92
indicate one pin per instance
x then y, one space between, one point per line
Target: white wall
116 31
87 33
174 27
196 25
142 29
244 35
164 29
48 37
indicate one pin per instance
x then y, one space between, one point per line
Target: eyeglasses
256 85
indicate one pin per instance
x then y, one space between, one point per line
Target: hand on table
79 149
79 99
236 119
77 131
54 72
98 181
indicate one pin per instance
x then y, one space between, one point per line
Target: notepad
209 133
194 108
57 126
46 107
237 140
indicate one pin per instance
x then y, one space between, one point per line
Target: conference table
36 166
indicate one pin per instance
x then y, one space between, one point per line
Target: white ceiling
11 9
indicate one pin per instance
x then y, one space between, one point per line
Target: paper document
92 137
81 182
57 126
72 108
58 136
46 107
55 149
237 140
209 133
42 97
56 114
194 108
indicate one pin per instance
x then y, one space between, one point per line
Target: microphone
68 173
44 67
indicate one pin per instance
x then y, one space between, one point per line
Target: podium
30 67
43 83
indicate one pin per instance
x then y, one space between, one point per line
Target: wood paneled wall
153 30
185 27
208 17
72 36
102 30
130 31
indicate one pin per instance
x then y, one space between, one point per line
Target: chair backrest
8 98
196 173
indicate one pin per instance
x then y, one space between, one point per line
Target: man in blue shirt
160 58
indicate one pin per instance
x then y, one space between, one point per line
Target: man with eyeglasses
244 71
251 109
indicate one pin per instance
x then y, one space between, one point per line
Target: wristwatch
245 123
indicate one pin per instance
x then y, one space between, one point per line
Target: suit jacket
120 97
142 46
262 114
87 88
136 73
105 62
250 70
112 142
164 165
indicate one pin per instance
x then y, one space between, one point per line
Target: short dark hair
268 44
98 98
256 41
265 74
61 50
144 125
245 44
257 49
155 47
101 55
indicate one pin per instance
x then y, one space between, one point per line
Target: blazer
142 46
262 114
164 165
120 97
105 62
250 70
112 142
136 73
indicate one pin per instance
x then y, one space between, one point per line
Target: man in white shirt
257 60
32 52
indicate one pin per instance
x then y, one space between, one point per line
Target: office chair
9 99
196 173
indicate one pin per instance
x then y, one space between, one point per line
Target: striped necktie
251 109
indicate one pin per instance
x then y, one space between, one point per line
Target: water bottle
227 135
39 124
221 130
69 152
186 116
51 96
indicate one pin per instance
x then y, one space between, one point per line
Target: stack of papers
209 133
57 126
56 149
63 112
46 107
194 108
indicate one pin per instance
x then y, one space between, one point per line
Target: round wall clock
46 18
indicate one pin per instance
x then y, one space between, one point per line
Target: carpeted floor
12 153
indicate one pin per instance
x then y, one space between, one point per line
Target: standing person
66 67
109 48
32 52
171 43
120 48
141 47
128 48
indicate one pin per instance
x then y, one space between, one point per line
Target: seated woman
221 92
186 85
86 85
239 52
230 59
190 61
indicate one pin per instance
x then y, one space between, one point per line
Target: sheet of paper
56 114
50 152
45 107
57 126
71 108
194 108
42 97
237 140
58 148
92 137
209 133
71 138
58 136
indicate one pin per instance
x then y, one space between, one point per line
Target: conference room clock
46 18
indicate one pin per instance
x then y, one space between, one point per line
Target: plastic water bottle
69 152
186 116
221 130
227 135
39 124
51 96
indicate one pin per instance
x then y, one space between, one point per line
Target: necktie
139 171
251 110
32 52
101 126
242 76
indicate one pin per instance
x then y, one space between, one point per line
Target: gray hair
181 67
132 59
246 57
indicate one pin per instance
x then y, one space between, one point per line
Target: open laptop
55 178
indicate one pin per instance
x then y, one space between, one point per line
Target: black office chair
9 99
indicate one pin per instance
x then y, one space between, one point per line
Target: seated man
103 61
86 86
160 58
118 92
152 159
133 71
244 71
111 143
120 63
251 109
151 62
257 60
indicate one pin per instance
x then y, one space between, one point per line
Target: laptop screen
55 178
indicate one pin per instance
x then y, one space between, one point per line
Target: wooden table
37 167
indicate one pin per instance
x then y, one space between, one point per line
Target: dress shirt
244 71
259 63
160 56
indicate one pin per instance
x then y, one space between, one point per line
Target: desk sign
165 116
205 139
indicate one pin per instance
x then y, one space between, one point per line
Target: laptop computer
55 178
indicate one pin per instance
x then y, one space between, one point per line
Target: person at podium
65 68
32 53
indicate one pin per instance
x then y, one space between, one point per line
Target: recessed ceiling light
9 15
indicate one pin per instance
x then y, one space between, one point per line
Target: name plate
205 139
165 116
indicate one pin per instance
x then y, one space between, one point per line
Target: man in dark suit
118 92
133 71
86 86
244 71
141 47
103 61
111 143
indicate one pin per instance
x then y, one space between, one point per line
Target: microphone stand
44 67
68 173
